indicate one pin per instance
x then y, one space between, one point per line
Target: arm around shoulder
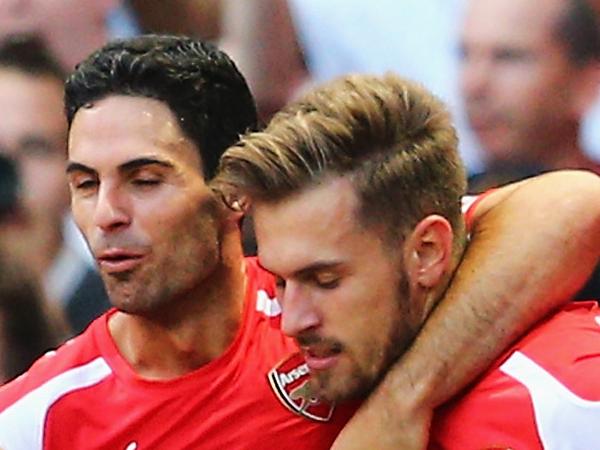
533 245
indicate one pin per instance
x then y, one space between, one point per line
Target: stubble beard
152 289
362 379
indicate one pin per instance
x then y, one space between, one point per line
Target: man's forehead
128 127
145 115
309 226
522 16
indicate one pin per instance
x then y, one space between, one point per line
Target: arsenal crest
289 381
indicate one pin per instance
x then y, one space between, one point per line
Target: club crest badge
289 381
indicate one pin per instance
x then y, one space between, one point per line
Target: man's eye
146 182
85 184
327 282
512 55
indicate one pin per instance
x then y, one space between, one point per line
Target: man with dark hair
356 194
199 83
33 133
192 355
168 367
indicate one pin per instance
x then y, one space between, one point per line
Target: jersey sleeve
469 205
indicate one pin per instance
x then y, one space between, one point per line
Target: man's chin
339 390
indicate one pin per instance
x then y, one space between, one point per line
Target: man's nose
111 212
475 75
299 312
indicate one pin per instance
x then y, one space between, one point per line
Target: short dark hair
200 84
579 30
28 53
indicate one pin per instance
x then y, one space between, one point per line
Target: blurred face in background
33 133
73 28
521 91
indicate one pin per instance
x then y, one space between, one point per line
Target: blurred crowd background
521 77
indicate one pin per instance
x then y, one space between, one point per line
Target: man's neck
564 152
576 159
193 331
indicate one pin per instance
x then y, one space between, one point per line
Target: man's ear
233 206
428 252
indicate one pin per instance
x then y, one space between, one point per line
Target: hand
380 424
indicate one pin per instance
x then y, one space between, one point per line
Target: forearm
532 248
529 254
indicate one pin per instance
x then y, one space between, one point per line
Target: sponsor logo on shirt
289 380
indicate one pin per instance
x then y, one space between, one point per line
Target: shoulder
26 401
543 390
73 363
567 347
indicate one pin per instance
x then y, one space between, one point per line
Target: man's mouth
114 261
321 357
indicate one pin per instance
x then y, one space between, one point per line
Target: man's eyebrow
78 167
135 164
316 267
129 166
307 270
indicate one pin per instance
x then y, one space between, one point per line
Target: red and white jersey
86 396
544 393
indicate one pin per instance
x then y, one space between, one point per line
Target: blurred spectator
416 38
27 327
260 37
282 45
33 133
528 75
9 189
201 18
529 72
72 28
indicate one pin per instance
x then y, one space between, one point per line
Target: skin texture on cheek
376 346
183 255
149 217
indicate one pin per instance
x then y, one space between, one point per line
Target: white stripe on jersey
268 306
564 420
22 423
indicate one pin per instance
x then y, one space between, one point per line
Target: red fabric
498 411
227 404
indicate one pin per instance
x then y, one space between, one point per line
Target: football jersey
544 393
86 396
